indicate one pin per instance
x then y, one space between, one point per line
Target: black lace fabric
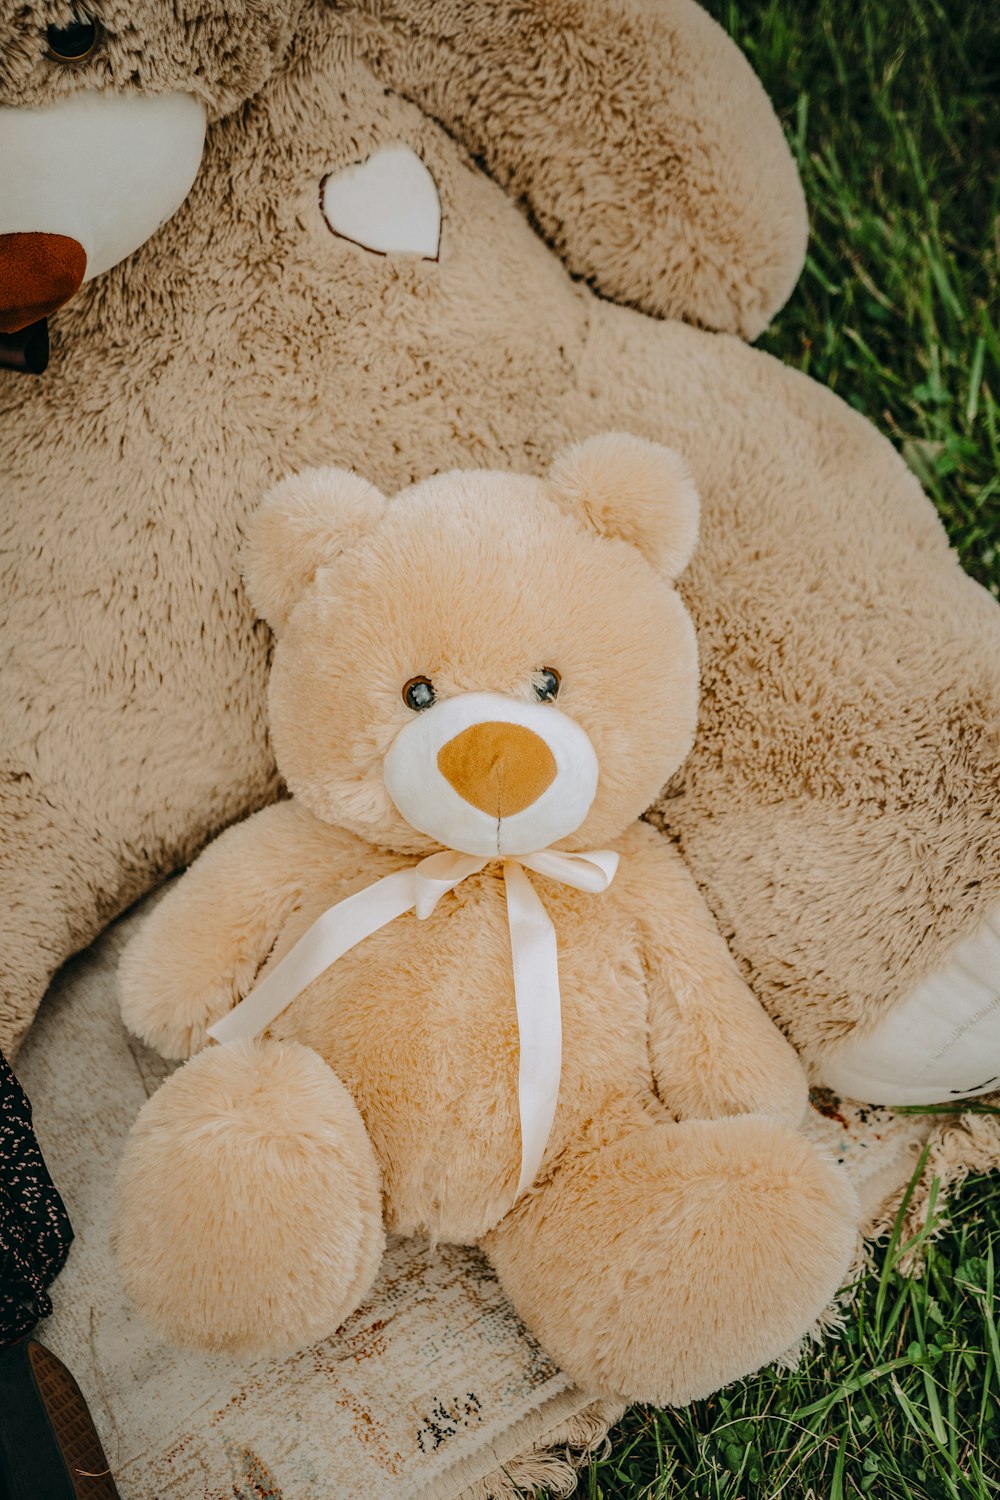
35 1232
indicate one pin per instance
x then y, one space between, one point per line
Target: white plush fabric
105 170
388 203
428 801
940 1042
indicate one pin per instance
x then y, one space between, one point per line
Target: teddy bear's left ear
305 523
626 487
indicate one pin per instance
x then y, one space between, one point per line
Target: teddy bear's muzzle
490 775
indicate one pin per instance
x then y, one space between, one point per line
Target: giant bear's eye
75 42
546 684
419 693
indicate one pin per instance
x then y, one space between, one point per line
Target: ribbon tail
339 929
539 1021
591 871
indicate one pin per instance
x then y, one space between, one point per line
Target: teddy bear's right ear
626 487
305 523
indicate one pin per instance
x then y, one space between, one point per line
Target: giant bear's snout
84 181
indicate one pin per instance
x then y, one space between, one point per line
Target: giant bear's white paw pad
941 1042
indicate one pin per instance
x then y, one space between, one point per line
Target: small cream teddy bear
488 1003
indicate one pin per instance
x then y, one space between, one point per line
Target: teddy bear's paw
169 989
249 1215
680 1257
767 1080
749 1070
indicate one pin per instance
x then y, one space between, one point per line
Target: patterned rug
433 1389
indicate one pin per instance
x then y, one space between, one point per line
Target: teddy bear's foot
249 1213
678 1258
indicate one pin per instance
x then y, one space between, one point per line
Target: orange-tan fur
681 1232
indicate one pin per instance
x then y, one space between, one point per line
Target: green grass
893 111
903 1404
891 107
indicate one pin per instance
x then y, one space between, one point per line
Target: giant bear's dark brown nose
38 273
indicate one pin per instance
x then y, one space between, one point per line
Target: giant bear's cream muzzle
491 775
84 182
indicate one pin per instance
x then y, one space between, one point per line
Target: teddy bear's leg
249 1214
679 1257
49 871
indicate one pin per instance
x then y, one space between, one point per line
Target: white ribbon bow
533 950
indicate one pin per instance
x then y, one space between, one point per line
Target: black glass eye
75 42
547 681
419 693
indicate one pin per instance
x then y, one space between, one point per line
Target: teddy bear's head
488 662
103 110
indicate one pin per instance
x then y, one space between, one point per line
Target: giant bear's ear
305 523
626 487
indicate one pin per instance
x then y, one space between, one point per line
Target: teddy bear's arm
634 132
714 1050
199 951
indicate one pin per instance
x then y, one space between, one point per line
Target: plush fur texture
292 536
593 84
219 52
680 1232
838 808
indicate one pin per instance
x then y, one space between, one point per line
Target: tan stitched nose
38 273
499 768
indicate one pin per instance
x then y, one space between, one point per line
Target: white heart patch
388 203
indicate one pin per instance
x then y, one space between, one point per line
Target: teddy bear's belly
419 1022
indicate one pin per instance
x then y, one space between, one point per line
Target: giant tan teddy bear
478 687
424 236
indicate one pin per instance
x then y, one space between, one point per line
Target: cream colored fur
838 808
680 1232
